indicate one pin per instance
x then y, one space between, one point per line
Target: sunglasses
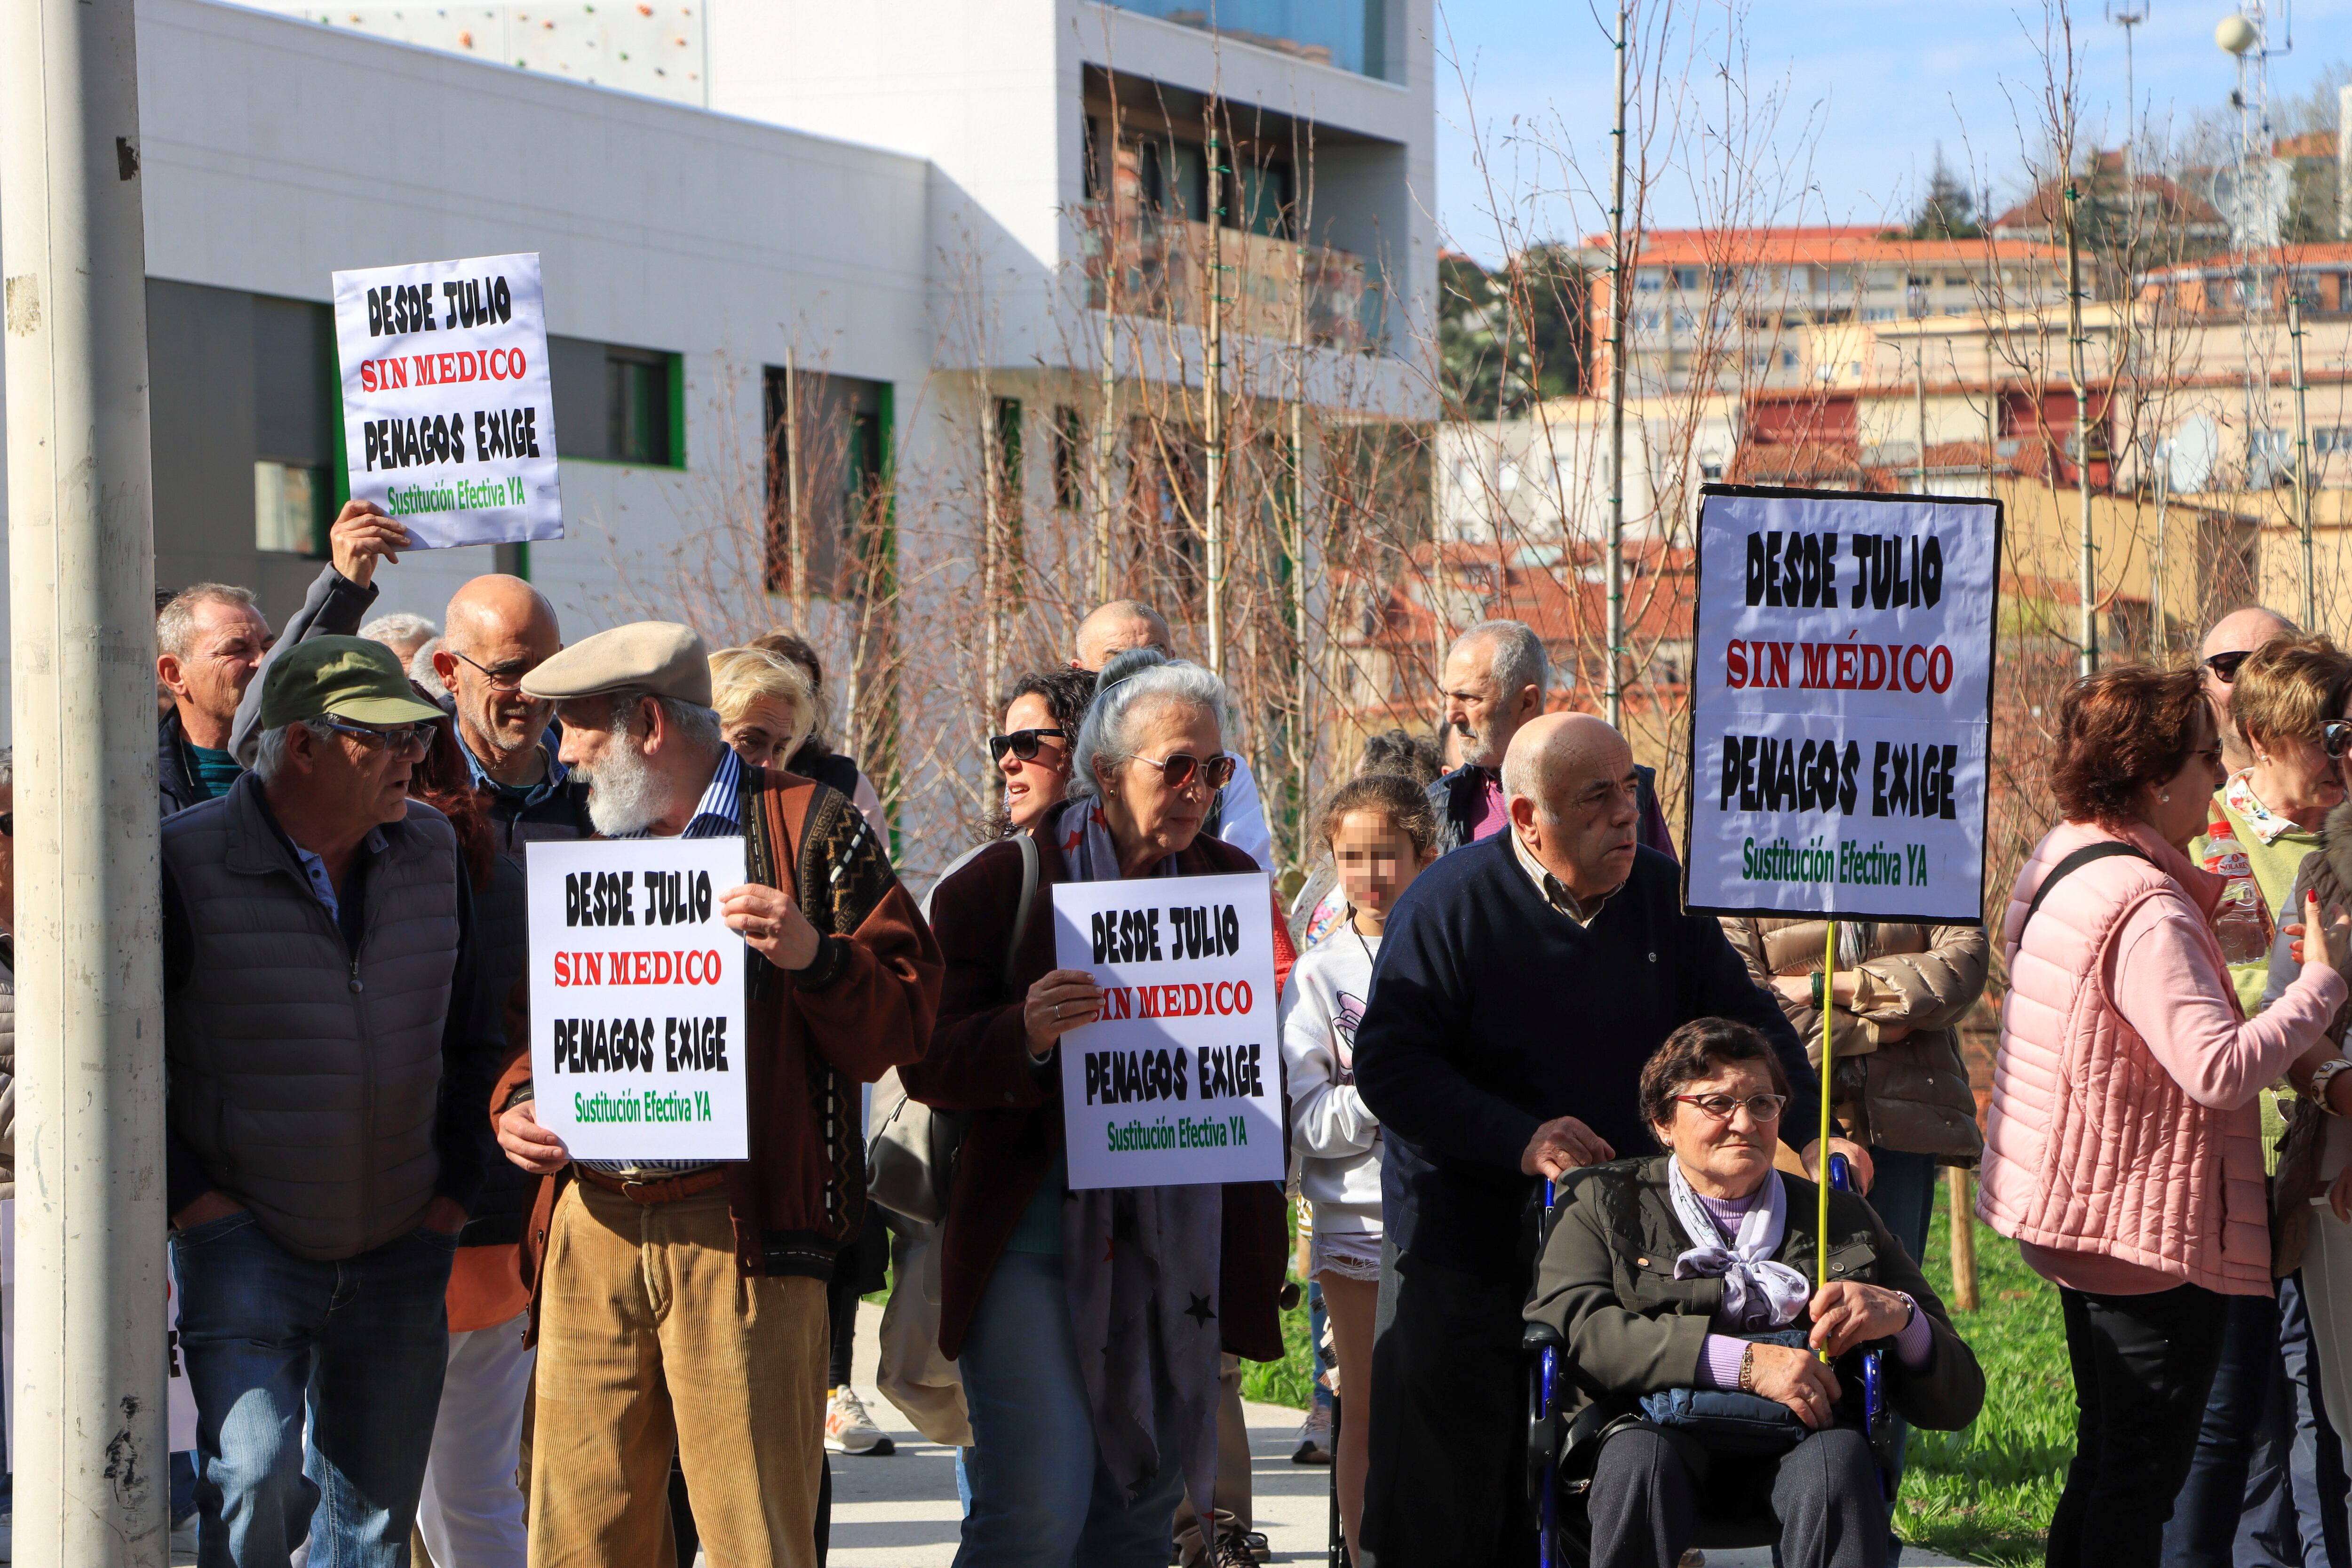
398 739
2225 666
2336 735
1762 1108
1181 769
1021 743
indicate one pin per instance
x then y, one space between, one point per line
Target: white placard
636 998
1840 704
1180 1080
448 424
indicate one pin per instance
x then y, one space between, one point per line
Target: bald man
498 630
1238 815
2233 636
1522 983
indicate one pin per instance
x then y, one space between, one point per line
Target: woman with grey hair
1089 1368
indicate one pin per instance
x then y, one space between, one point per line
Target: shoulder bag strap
2103 850
1021 911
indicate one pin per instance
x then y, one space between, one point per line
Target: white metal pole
2302 455
92 1478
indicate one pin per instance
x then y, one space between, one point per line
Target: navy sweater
1492 1013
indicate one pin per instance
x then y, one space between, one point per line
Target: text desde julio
1800 571
398 308
1192 931
618 897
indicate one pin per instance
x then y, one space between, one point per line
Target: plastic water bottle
2240 920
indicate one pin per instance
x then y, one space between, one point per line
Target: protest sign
636 998
1179 1080
448 424
1840 704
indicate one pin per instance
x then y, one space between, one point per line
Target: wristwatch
2319 1081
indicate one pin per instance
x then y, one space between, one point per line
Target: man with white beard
681 1304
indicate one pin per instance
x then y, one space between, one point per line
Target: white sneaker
848 1429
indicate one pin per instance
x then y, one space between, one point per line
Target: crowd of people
413 1322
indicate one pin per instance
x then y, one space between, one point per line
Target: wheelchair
1561 1452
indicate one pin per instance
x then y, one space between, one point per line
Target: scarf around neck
1140 1272
1758 1293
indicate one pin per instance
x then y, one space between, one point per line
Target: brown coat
979 1061
1910 1093
865 1004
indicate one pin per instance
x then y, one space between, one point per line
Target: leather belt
666 1190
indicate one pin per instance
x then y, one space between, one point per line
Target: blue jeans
1903 1192
1040 1495
2255 1497
2315 1460
355 1348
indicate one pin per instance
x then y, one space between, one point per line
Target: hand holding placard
768 919
1060 1001
361 536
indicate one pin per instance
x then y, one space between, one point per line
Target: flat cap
660 657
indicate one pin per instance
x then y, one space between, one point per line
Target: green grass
1985 1494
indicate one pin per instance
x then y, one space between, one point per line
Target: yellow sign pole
1828 1006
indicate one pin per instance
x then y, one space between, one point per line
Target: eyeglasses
396 740
507 679
1761 1107
2336 736
1021 743
1181 769
2225 666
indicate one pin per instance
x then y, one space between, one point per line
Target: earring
2164 797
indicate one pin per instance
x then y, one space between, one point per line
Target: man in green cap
331 1048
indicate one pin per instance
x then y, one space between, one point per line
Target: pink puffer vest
2091 1145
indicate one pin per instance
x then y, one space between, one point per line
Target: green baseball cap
350 678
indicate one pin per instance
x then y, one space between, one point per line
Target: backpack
910 1159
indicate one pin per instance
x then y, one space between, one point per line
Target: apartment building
1730 309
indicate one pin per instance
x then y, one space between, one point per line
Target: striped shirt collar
715 814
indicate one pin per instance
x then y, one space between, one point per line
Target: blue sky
1882 81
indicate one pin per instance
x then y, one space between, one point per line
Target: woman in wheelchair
1678 1292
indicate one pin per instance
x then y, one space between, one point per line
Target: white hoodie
1330 1126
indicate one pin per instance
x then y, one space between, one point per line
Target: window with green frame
615 404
